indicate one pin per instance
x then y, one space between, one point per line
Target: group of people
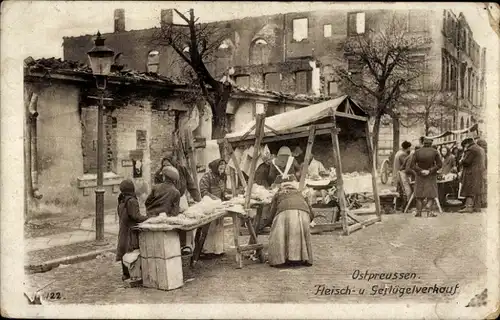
426 162
290 212
172 182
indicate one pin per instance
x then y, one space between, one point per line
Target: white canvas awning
342 107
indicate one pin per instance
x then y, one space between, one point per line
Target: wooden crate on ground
161 259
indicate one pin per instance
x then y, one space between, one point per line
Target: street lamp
101 59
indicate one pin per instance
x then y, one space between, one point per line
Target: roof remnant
55 65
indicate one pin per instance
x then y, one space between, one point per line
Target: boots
418 204
469 202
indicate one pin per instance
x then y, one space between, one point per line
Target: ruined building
297 52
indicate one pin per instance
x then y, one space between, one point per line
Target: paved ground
447 250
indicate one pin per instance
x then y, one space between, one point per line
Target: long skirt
426 186
290 238
214 242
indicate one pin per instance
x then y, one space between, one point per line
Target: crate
161 261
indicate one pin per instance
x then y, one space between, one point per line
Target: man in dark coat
484 194
473 164
426 162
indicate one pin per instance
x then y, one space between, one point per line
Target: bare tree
196 44
426 105
388 61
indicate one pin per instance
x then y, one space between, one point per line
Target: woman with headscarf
164 197
449 162
284 167
129 215
185 183
290 237
213 185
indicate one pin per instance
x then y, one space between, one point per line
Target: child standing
129 215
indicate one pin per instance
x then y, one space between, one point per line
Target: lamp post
101 59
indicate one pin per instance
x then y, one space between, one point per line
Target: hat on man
284 151
427 141
406 145
467 141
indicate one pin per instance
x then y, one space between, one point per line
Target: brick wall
162 130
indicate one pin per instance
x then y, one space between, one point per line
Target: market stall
340 116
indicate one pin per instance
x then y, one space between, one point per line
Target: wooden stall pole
259 131
340 180
308 156
374 172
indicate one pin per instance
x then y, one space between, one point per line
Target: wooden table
202 232
435 199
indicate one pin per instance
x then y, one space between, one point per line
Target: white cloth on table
358 184
214 242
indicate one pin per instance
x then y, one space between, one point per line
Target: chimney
166 17
119 20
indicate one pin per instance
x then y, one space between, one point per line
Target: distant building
297 52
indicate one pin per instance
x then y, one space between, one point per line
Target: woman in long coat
213 185
473 164
426 162
129 215
484 194
290 237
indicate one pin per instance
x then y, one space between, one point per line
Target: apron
284 174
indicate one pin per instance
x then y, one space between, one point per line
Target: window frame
324 30
355 32
294 27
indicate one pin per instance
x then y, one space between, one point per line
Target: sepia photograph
323 160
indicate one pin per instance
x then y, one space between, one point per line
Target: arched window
461 123
259 52
153 61
468 123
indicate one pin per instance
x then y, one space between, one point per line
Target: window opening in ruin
186 49
243 81
302 83
327 30
356 23
272 81
300 29
260 52
153 61
461 123
333 88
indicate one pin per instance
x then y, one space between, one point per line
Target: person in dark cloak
129 215
164 197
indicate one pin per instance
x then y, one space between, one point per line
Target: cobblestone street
446 251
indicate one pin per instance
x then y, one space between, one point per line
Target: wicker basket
187 272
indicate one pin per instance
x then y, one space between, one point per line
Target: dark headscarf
170 158
127 190
214 167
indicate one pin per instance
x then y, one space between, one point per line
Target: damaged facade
297 53
145 113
